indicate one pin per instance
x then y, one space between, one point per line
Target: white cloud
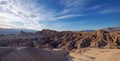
74 3
109 11
29 13
95 7
80 6
68 16
5 26
25 12
2 2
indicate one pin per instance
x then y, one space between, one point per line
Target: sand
95 54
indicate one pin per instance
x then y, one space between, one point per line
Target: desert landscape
99 45
59 30
95 54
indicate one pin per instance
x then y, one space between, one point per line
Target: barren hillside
67 40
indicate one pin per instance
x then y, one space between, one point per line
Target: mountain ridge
14 30
67 40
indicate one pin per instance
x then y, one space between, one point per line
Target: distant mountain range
17 31
14 31
112 29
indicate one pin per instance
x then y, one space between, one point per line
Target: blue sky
60 14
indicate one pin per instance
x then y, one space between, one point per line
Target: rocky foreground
37 54
33 54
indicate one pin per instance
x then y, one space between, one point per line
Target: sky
59 14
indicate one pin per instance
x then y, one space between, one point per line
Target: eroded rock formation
67 40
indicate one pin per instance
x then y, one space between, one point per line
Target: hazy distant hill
13 31
17 31
113 29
